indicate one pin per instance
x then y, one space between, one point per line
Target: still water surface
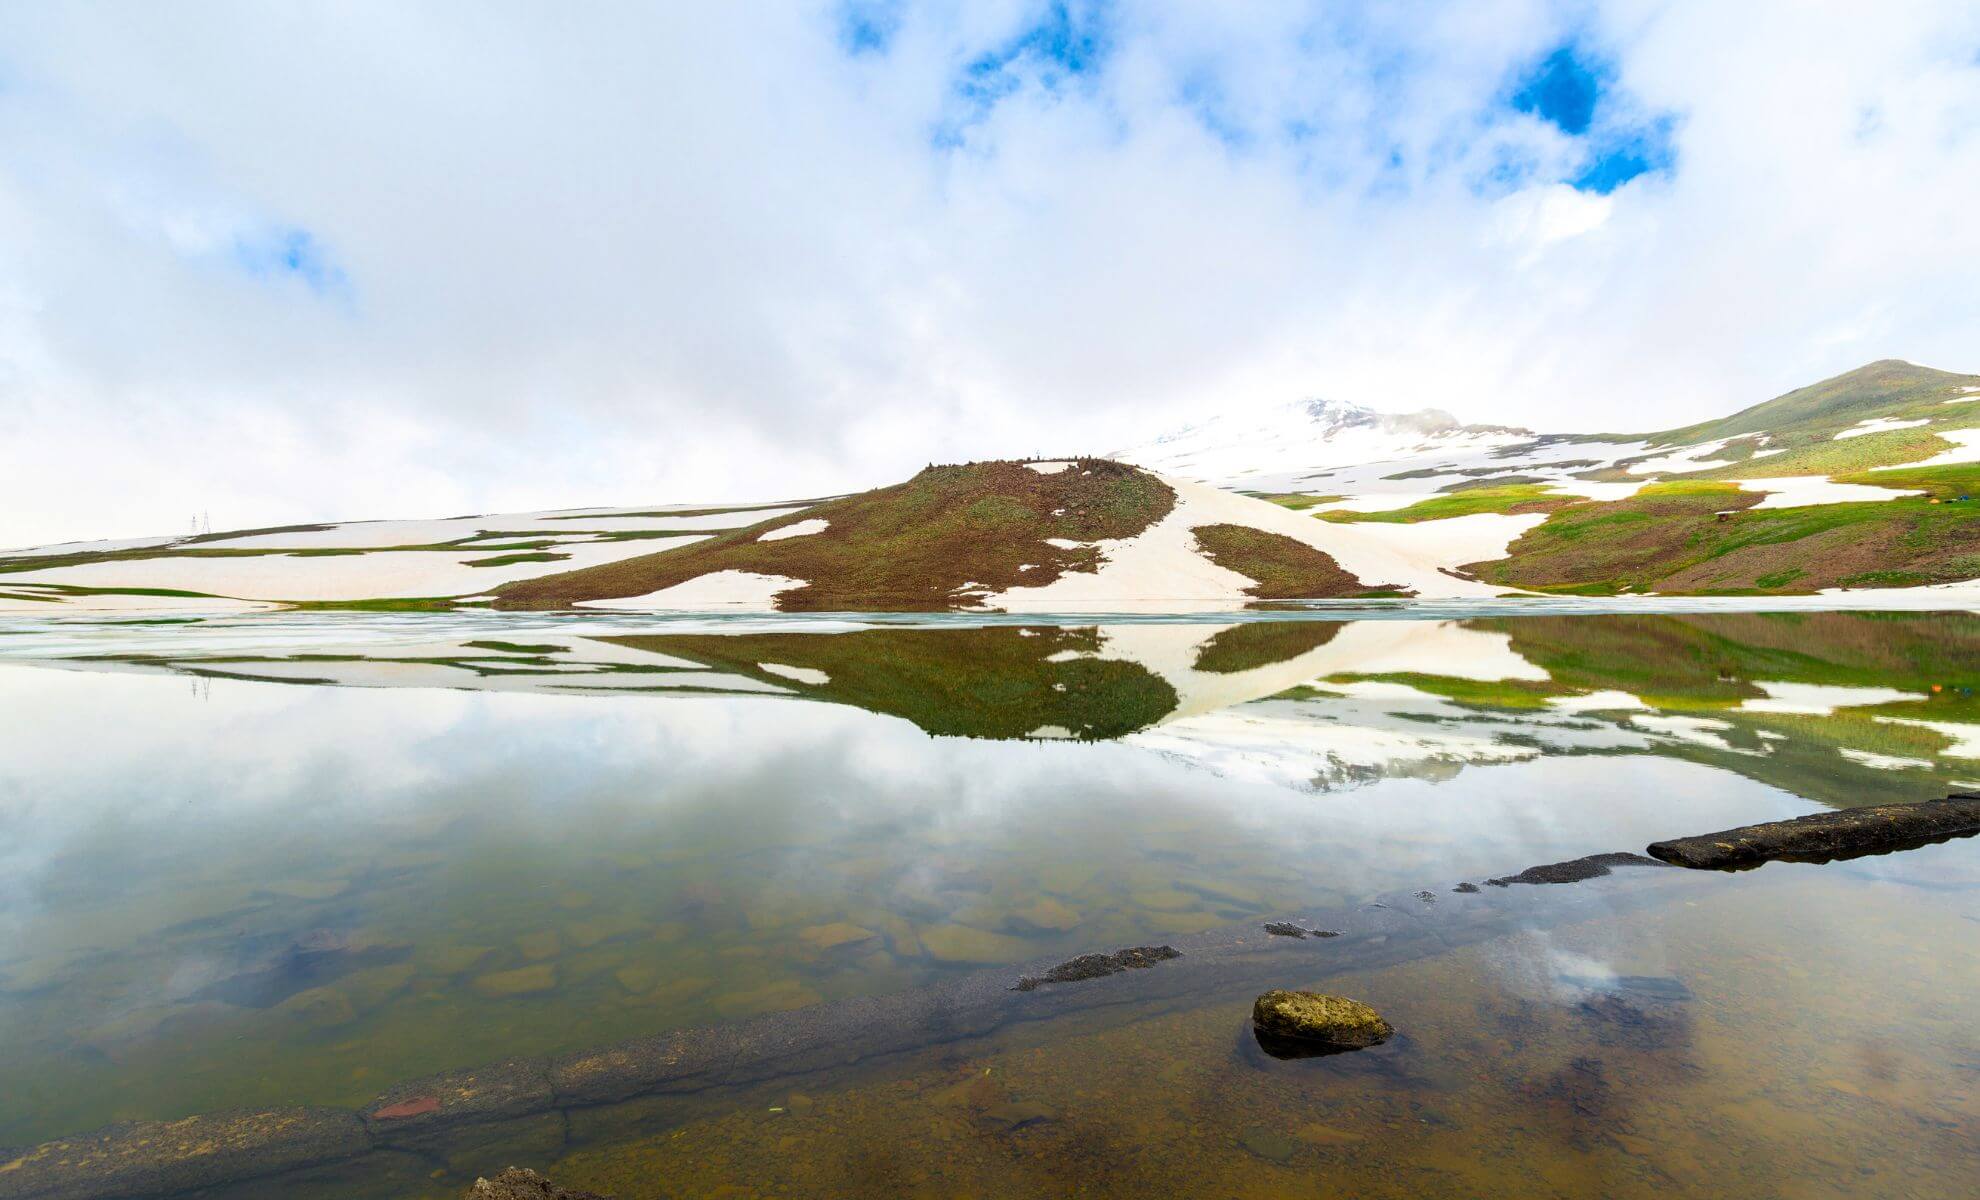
276 862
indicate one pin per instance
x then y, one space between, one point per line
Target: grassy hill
1701 536
927 544
1888 388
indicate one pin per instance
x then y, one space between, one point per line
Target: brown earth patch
1284 568
942 540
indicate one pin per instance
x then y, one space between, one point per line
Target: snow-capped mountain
1240 449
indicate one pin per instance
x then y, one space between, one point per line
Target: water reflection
253 893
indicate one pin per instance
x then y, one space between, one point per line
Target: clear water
282 861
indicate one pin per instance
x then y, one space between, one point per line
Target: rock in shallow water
517 1183
1828 836
1332 1021
1096 966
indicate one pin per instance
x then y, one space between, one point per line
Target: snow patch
1879 425
1687 458
1884 762
718 589
1965 738
796 529
1700 731
1797 491
1966 449
1817 699
1597 702
810 675
1048 468
104 547
1162 565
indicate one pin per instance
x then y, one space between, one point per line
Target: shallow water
226 881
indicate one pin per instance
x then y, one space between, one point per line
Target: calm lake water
269 862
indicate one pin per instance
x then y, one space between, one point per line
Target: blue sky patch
1625 154
1069 40
868 26
290 252
1573 89
1563 88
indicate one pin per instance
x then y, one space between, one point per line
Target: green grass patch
1282 568
1473 693
1888 389
1297 501
1827 456
1702 536
517 647
1256 644
1945 483
510 560
1496 498
1306 691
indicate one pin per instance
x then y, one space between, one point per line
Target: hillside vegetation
1888 388
945 536
996 682
1702 536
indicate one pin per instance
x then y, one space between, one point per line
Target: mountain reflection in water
353 852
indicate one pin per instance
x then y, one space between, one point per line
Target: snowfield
376 575
1879 425
1162 567
796 529
1797 491
717 590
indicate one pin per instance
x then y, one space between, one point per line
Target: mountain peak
1240 446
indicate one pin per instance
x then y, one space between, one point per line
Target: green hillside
1888 389
923 545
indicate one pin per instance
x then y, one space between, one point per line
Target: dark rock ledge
1828 836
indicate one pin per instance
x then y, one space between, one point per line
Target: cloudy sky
286 262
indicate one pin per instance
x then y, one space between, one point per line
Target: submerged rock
1013 1115
1288 929
1827 836
1575 870
518 1183
1334 1022
1272 1145
1094 966
144 1158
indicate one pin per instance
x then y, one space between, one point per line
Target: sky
311 261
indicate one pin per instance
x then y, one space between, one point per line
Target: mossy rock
522 981
1046 915
540 945
964 944
836 935
1334 1021
319 1008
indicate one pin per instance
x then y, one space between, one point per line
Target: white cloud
616 254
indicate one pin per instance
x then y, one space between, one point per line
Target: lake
728 906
